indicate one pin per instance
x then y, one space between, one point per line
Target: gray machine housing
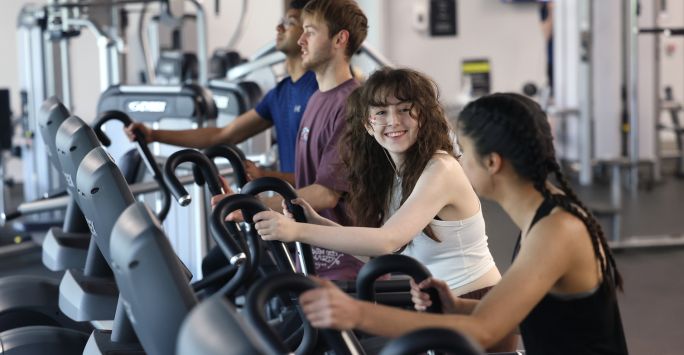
142 255
103 195
91 293
64 247
215 328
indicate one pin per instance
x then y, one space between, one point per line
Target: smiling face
317 46
394 127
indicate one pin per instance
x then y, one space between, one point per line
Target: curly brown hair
371 173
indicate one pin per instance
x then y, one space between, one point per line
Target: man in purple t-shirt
319 173
333 32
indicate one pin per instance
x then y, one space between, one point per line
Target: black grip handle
439 339
8 216
263 290
227 233
282 188
288 193
144 150
386 264
235 157
107 116
207 168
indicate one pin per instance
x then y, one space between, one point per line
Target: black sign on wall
5 121
443 18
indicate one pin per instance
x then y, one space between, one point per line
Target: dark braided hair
516 128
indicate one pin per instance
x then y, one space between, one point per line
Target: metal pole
65 68
201 43
632 94
49 58
140 188
108 54
585 92
656 173
114 63
145 46
65 60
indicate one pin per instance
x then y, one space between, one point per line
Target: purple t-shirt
317 161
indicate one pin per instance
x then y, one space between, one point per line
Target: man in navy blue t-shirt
282 107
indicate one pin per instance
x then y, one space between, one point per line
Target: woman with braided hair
560 288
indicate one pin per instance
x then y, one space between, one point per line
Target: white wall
509 35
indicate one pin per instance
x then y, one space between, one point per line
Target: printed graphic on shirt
297 108
325 259
305 134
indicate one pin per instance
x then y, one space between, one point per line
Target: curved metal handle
439 339
263 290
393 263
282 188
144 150
227 235
235 157
206 166
107 116
249 205
288 193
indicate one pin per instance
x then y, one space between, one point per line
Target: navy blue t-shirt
284 106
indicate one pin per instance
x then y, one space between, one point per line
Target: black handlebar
8 216
394 263
144 150
279 186
420 341
227 235
263 290
288 193
207 168
114 115
235 157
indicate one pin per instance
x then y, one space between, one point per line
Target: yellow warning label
475 67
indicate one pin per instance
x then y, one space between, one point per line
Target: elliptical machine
37 321
65 247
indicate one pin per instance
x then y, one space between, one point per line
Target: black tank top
577 324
